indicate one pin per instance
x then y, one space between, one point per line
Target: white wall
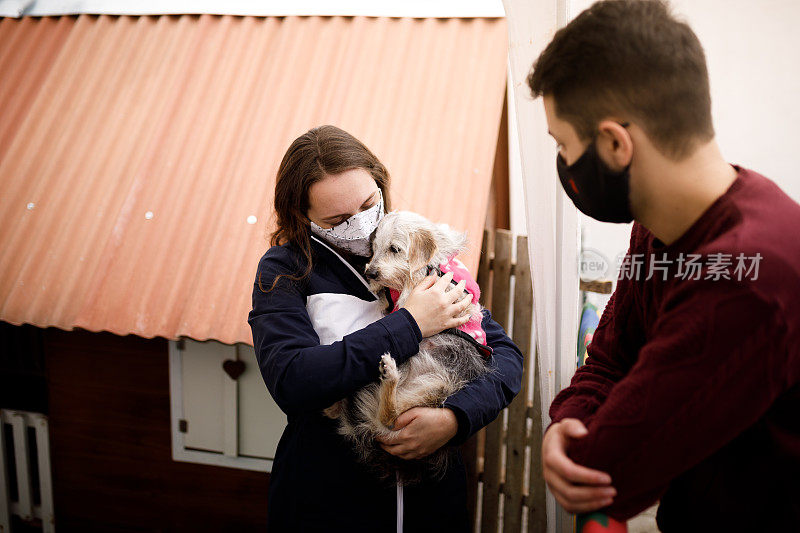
753 54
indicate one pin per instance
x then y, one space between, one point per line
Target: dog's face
404 244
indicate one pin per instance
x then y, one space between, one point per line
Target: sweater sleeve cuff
463 432
412 322
569 411
404 333
465 425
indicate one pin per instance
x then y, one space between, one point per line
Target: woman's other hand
422 431
435 306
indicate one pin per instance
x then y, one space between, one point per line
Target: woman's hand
423 430
436 307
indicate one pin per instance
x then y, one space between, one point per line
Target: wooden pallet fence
504 459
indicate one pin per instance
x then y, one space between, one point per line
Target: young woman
319 333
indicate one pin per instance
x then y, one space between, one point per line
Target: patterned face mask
353 234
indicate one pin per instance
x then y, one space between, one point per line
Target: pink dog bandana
471 330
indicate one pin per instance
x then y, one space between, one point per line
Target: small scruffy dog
406 248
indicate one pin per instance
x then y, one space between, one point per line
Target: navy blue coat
320 340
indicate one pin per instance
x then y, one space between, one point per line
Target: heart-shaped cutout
233 368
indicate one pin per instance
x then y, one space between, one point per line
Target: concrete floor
644 522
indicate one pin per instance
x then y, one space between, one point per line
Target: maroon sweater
691 387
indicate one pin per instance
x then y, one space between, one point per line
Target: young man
691 390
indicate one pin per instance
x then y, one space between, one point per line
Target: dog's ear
423 248
450 241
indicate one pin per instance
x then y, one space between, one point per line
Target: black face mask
596 190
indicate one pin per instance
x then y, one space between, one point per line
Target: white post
552 220
45 477
25 504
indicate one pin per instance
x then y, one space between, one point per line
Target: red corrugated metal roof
134 149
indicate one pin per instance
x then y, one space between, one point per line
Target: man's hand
423 430
578 489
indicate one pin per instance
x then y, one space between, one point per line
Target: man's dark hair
633 59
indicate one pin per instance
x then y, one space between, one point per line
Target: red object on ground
599 523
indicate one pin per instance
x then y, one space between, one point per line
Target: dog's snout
371 273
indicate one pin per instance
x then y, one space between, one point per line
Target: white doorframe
552 220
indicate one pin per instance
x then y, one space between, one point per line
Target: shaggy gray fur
444 364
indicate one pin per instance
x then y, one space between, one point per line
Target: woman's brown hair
319 152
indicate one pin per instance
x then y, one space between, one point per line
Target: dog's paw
388 368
